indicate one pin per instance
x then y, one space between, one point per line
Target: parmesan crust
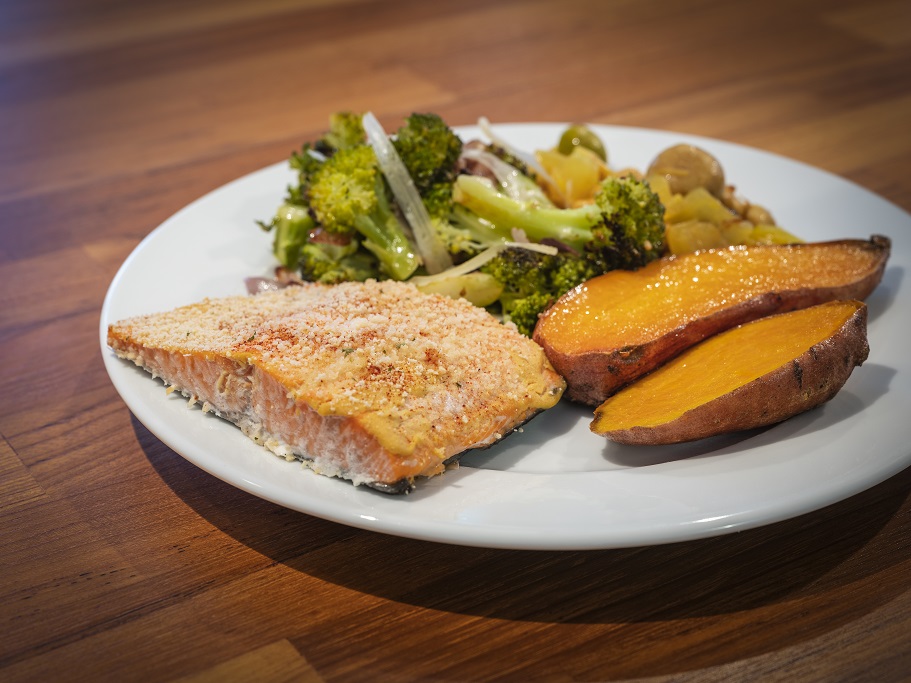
374 382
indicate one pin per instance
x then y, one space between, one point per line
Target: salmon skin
373 382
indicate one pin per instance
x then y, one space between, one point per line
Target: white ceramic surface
555 485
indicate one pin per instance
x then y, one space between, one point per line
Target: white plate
555 485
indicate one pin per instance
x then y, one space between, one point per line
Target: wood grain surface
120 561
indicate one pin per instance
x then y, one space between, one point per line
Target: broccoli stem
390 246
477 229
385 237
292 228
572 227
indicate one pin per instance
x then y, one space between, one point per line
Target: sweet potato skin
799 385
594 375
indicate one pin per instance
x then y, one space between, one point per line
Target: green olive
581 136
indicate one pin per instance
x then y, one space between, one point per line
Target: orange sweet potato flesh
751 376
617 327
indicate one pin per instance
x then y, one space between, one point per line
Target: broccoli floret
331 263
524 312
633 230
345 131
317 260
306 162
344 187
348 196
430 150
532 281
622 228
437 199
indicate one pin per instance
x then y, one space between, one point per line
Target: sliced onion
256 285
433 253
284 277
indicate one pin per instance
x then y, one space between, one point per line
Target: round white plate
555 485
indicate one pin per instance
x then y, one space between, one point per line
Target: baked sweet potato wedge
617 327
754 375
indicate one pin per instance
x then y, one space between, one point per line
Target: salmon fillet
372 382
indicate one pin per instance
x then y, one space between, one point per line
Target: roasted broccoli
292 224
357 211
331 263
622 228
345 130
348 196
300 244
466 234
341 191
430 151
532 281
633 230
306 162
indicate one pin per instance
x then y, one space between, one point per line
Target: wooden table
121 561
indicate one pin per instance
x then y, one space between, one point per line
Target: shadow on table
808 576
